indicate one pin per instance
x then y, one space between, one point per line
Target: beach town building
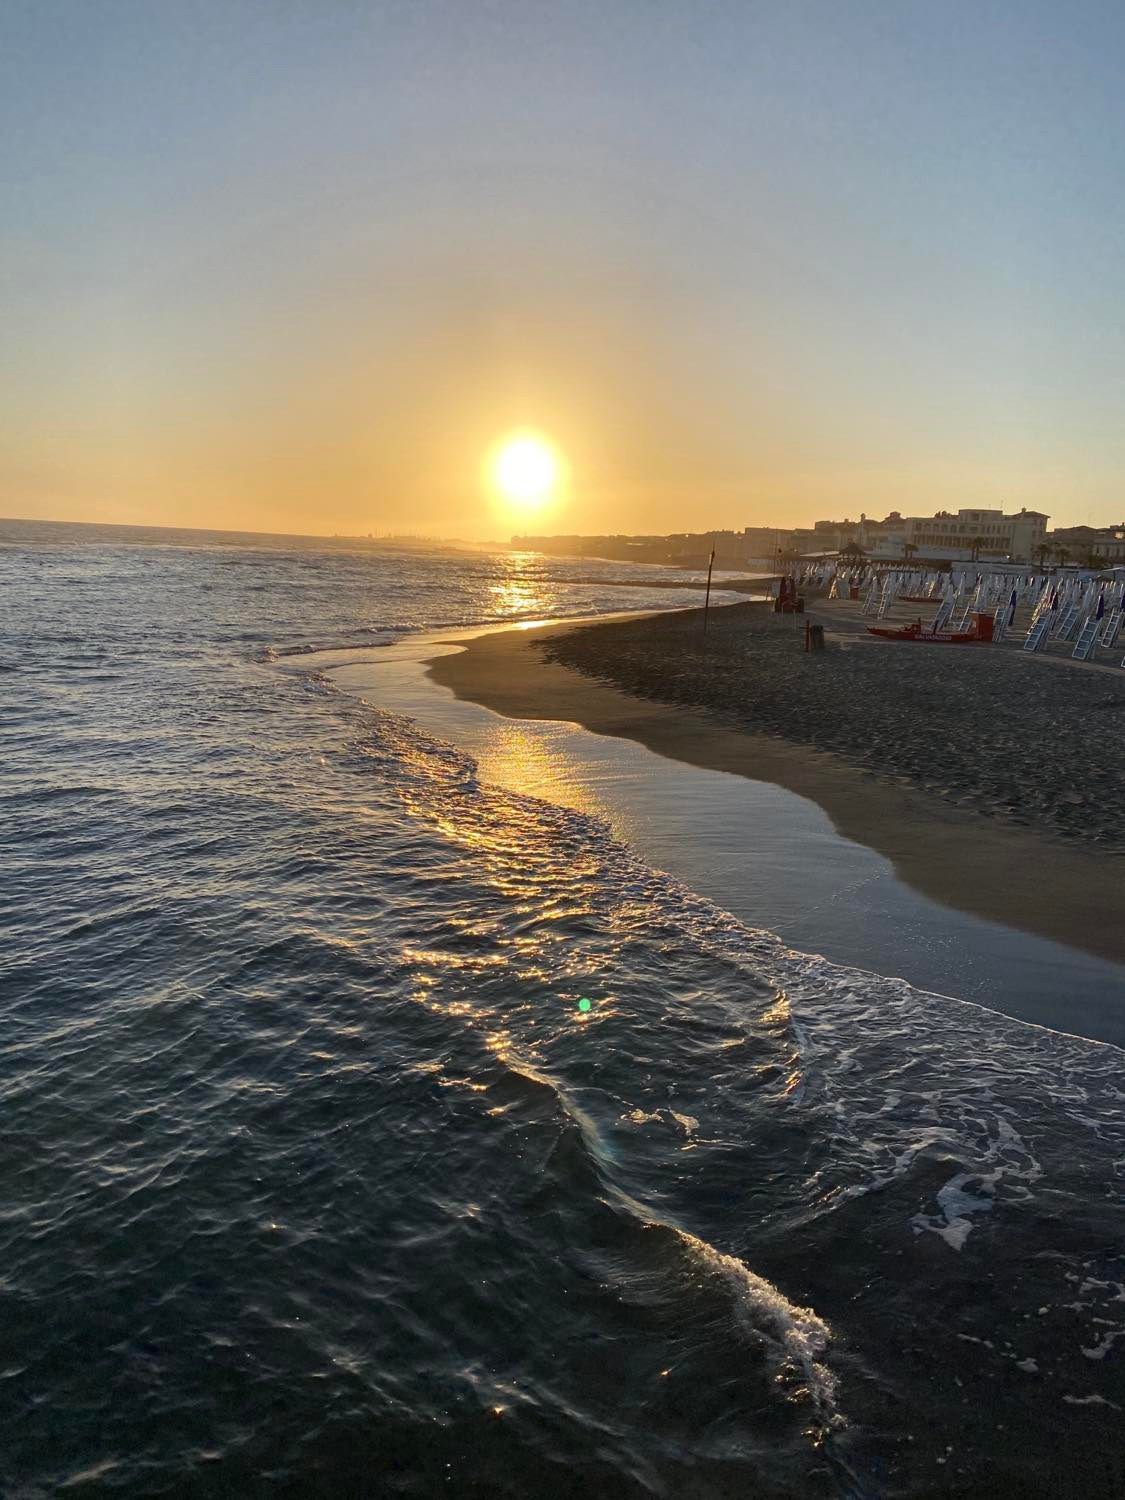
944 536
989 532
1082 544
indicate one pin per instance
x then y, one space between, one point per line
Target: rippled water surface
317 1179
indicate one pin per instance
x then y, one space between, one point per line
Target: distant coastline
23 529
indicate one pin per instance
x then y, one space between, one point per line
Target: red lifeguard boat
980 633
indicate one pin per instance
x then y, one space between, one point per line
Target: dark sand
993 782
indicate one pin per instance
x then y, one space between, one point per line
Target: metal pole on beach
707 596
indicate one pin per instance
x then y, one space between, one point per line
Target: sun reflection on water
516 596
525 758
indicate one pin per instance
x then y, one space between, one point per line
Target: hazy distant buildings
942 537
1082 544
946 536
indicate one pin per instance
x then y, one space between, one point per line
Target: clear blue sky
297 265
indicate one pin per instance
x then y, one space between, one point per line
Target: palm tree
908 550
1043 553
976 544
852 551
1062 554
1093 558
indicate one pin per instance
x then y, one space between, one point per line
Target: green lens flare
584 1004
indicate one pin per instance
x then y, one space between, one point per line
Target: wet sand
1028 876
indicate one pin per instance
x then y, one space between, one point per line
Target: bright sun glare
526 470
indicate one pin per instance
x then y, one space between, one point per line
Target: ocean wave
799 1337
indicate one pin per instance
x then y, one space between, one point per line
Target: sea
369 1129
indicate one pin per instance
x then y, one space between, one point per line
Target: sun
525 470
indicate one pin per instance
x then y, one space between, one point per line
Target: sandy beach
989 780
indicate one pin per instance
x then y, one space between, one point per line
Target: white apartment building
943 537
991 531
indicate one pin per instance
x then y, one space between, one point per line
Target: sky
299 266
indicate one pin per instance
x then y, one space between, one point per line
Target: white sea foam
1093 1400
798 1336
1104 1344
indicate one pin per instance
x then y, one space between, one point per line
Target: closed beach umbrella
1012 607
1055 600
1101 606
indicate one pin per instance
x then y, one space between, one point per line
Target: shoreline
1013 875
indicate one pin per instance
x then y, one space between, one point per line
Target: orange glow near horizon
472 272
